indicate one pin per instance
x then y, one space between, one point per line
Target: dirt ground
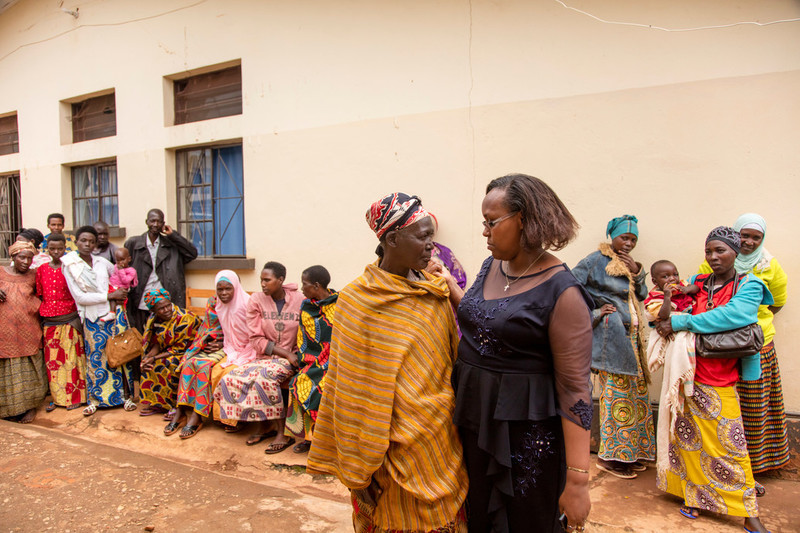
55 482
116 471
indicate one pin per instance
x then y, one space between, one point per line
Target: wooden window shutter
94 118
206 96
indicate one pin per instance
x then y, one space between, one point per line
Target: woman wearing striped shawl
385 426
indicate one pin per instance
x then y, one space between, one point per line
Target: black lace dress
523 364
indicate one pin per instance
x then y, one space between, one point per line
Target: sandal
254 439
73 406
234 429
614 468
89 410
689 512
129 405
636 466
760 489
278 447
190 431
303 447
52 407
150 411
172 427
170 414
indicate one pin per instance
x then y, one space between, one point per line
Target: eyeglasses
490 224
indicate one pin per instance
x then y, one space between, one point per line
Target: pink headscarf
233 319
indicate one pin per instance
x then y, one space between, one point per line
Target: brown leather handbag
124 347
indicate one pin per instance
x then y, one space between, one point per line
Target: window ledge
117 233
222 263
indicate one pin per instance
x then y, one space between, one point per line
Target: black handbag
732 344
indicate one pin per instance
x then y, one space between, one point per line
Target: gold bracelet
579 470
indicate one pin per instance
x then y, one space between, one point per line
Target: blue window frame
94 194
211 200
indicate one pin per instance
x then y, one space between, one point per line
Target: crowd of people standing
441 407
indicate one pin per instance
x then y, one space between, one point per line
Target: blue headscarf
746 263
624 224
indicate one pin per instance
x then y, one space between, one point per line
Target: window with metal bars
207 96
9 135
10 212
94 118
211 200
94 194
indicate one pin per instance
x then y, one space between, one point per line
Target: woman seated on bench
251 392
222 336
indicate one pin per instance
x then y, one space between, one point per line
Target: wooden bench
203 294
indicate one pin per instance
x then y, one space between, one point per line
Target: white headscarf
747 262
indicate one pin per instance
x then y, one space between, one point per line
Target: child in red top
124 277
670 293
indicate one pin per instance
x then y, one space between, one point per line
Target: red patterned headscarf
395 211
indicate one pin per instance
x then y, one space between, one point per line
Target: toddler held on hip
124 277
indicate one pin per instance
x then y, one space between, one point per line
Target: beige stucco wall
345 101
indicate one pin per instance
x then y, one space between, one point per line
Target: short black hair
85 229
100 223
318 274
55 215
57 237
278 269
33 235
661 262
157 211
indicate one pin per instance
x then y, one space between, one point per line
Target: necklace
517 278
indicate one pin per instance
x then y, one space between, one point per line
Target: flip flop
278 448
89 410
170 414
619 471
686 511
73 406
129 405
50 407
255 438
173 427
151 411
190 431
636 466
234 429
303 447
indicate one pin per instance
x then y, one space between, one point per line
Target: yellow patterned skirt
709 466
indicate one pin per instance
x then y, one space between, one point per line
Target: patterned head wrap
746 262
155 296
624 224
726 235
21 246
395 211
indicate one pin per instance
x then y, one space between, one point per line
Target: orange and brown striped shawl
388 404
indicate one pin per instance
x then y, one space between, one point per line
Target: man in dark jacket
163 247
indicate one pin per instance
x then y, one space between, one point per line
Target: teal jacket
740 311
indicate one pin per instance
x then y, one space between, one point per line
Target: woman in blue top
709 466
616 284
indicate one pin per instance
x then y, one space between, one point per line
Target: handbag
732 344
123 347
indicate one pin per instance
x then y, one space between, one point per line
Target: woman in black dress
523 394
